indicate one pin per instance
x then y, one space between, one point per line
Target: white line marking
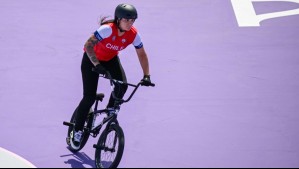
11 160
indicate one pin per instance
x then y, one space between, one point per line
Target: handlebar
112 81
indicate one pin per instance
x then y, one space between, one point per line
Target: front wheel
110 147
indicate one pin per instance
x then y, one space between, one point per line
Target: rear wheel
110 147
85 135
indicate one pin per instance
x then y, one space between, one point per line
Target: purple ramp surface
225 96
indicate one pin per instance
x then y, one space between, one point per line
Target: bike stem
112 81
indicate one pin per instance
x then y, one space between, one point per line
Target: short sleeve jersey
110 43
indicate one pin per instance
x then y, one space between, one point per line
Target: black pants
90 85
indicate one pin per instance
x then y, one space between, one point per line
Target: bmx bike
111 143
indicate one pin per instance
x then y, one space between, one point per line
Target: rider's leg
90 84
117 72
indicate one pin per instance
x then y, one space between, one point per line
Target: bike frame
112 117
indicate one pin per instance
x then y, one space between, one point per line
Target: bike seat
100 96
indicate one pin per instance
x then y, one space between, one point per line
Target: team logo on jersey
123 40
113 38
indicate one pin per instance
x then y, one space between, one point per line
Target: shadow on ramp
79 160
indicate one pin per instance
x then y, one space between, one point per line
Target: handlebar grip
106 75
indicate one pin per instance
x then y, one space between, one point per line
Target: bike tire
105 137
85 135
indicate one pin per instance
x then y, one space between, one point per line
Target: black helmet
125 11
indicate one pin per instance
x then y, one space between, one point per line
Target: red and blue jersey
110 43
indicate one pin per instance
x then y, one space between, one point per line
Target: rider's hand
146 81
100 69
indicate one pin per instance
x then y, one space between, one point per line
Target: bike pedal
97 147
68 124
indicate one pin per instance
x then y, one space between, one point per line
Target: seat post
96 106
99 97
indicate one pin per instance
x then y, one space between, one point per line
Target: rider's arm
143 60
89 47
103 32
141 54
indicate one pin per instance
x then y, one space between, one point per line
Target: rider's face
126 24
